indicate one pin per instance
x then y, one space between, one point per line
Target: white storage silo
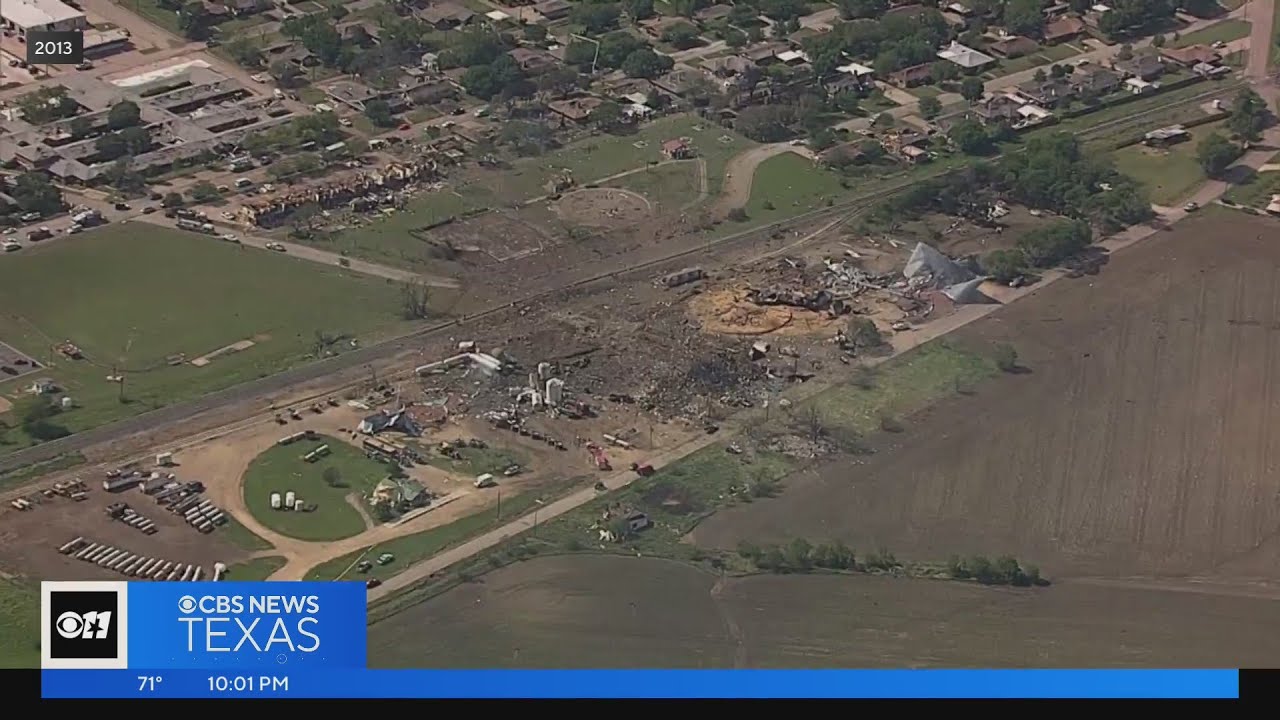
289 499
275 501
297 505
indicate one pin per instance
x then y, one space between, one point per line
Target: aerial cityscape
655 333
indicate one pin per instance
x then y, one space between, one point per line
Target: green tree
735 38
332 477
638 9
137 140
109 146
682 36
607 116
858 9
971 137
379 113
1216 154
35 193
798 555
203 192
1248 115
1004 266
971 88
123 114
1024 17
286 73
172 200
595 18
535 33
930 107
645 63
944 71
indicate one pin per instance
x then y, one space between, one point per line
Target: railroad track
264 388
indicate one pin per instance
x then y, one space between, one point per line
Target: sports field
144 302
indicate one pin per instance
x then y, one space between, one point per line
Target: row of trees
1040 248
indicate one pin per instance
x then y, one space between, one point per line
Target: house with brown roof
656 27
1094 79
533 61
553 9
576 109
713 12
1013 47
911 76
677 149
1063 29
1143 66
1191 55
446 15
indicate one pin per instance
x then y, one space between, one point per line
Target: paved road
1261 27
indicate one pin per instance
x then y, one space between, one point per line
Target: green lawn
1225 31
670 187
1171 174
474 461
925 91
1057 53
281 469
415 548
29 472
19 623
590 160
242 537
901 387
601 156
255 569
790 184
132 295
1257 189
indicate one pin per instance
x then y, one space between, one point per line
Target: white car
10 246
1191 207
344 122
275 246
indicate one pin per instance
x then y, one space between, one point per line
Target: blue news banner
307 640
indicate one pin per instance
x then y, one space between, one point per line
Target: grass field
789 184
19 623
625 612
1170 174
240 535
589 160
902 387
132 295
474 461
1225 31
1256 189
255 569
670 187
414 548
281 469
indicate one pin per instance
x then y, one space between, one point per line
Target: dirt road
740 173
1261 15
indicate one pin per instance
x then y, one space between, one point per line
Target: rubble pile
364 191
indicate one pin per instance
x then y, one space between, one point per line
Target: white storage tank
290 499
275 501
297 504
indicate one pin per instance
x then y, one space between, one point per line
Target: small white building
26 16
1136 86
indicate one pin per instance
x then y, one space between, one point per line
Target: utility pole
499 503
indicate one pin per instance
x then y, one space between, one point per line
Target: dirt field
592 611
29 540
1136 444
603 208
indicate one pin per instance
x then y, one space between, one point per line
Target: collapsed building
359 193
929 269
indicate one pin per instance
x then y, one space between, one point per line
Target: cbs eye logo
92 625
